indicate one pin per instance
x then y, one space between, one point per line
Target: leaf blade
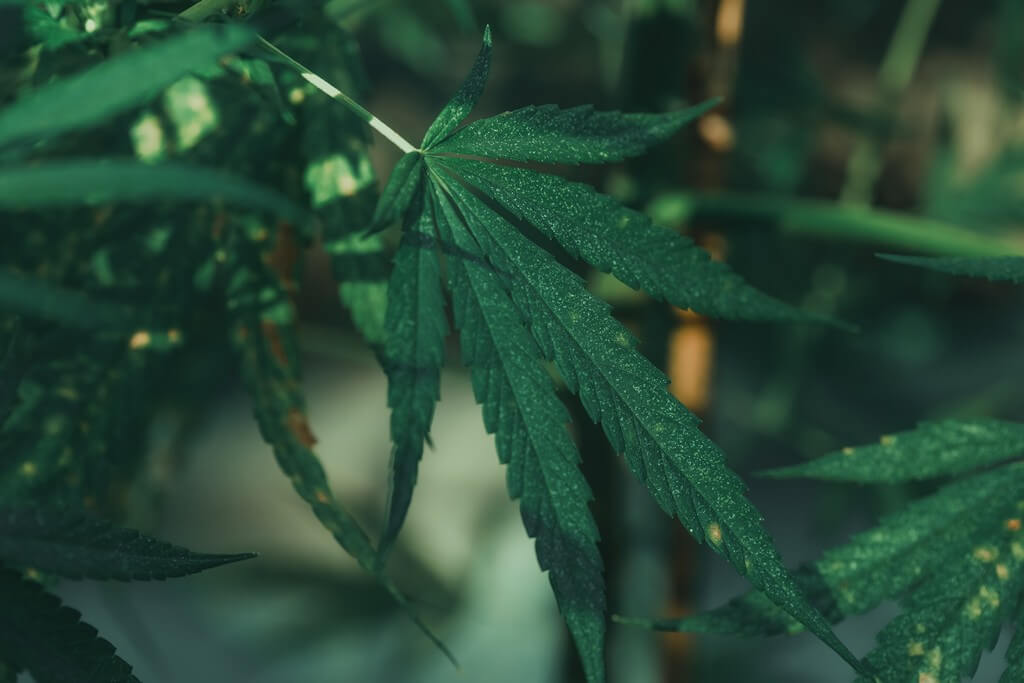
119 83
994 268
77 546
933 449
462 103
553 135
529 422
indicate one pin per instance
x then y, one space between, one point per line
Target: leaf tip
488 42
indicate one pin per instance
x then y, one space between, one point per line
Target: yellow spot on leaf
140 340
174 335
985 553
887 440
848 451
714 533
924 677
296 95
1017 550
1002 572
28 469
1013 524
147 137
322 497
915 649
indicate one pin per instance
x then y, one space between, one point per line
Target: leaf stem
323 86
205 8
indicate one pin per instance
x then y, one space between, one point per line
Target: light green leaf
521 408
567 136
625 243
995 268
413 355
50 641
96 181
934 449
76 546
465 99
37 298
117 84
622 391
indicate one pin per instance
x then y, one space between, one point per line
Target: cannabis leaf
933 449
954 559
516 306
78 546
48 640
1006 268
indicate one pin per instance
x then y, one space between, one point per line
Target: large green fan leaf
414 354
567 136
623 242
76 546
49 640
934 449
126 80
1005 268
94 181
529 422
628 396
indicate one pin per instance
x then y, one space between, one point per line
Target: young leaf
465 99
995 268
94 181
628 396
117 84
529 422
413 356
77 546
934 449
50 641
567 136
623 242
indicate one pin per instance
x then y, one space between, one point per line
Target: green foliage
934 449
594 354
81 547
48 640
1006 268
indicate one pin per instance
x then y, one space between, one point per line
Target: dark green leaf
622 391
77 546
464 100
404 182
50 641
529 422
934 449
462 10
1015 653
414 354
567 136
625 243
124 81
996 268
33 297
95 181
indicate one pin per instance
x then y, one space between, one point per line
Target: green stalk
206 8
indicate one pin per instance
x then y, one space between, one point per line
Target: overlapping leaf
47 639
77 546
934 449
508 290
529 422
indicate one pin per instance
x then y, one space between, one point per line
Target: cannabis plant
135 266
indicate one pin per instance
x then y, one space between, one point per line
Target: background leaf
1006 268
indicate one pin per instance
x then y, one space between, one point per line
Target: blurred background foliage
848 127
